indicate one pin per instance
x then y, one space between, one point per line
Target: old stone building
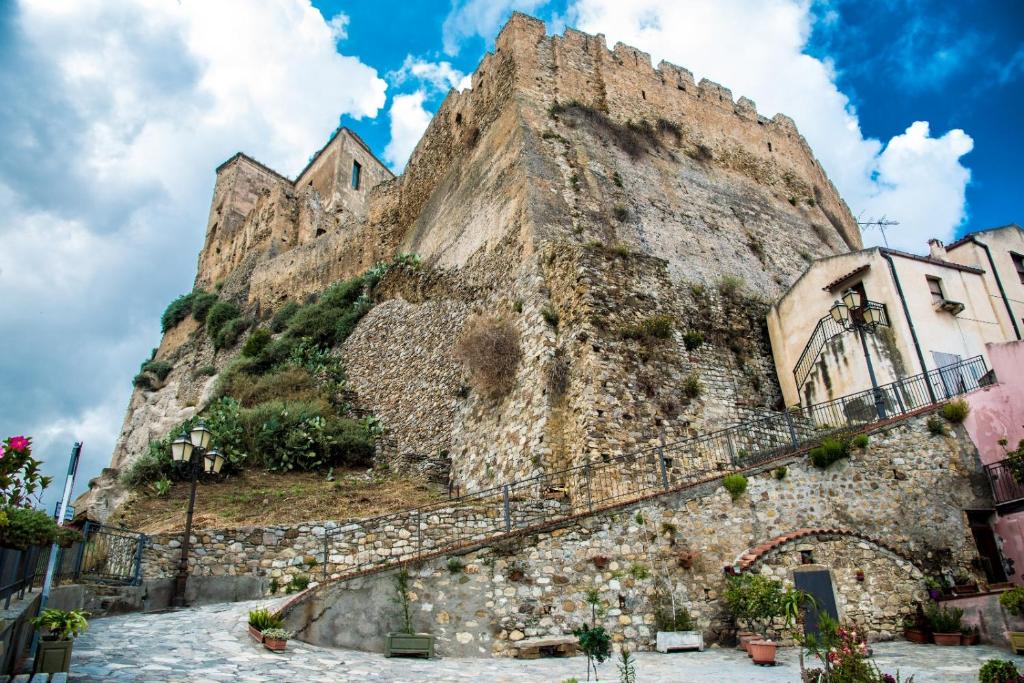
631 226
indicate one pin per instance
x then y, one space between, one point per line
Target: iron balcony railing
825 331
538 502
1005 487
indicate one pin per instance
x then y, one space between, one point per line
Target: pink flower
19 443
3 451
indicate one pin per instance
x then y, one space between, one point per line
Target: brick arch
750 557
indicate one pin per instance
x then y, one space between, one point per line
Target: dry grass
263 498
489 350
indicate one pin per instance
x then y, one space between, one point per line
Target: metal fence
105 554
1005 487
826 330
19 569
534 503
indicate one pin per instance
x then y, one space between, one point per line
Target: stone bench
554 646
37 678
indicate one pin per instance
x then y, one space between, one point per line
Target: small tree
755 599
402 599
594 640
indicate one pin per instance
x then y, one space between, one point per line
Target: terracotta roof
931 260
753 555
969 237
856 271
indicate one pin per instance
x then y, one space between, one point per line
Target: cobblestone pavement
210 645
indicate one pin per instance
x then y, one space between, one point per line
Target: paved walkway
210 645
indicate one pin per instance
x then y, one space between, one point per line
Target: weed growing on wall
489 350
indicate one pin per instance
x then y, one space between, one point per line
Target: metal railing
530 504
1005 487
825 331
19 569
105 554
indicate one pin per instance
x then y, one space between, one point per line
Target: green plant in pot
407 641
1013 602
58 630
276 639
757 600
945 623
260 621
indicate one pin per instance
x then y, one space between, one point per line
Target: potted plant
276 639
675 627
407 641
998 671
261 620
945 623
915 631
970 635
1013 602
963 585
757 600
934 587
58 630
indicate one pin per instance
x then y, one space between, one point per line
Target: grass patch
693 339
830 450
692 386
621 213
780 472
550 316
650 329
936 426
955 411
861 441
283 316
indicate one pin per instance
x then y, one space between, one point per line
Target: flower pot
275 644
745 639
255 634
970 638
53 656
673 641
740 643
409 644
1017 642
947 638
915 635
762 652
965 589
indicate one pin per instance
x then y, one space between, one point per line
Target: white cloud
115 116
408 121
439 75
470 18
756 49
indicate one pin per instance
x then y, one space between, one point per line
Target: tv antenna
881 223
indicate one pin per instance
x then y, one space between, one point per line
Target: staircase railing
825 331
105 554
538 502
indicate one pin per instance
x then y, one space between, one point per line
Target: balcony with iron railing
1007 490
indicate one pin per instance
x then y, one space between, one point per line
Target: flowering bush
843 649
20 478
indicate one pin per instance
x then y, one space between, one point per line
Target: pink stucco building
997 412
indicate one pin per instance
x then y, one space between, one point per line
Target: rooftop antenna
881 223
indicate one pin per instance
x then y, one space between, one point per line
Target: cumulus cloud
757 49
438 75
409 118
472 18
115 116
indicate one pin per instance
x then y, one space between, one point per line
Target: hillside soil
261 498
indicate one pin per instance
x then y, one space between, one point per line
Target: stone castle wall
908 489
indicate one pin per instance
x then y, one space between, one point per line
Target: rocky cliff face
626 221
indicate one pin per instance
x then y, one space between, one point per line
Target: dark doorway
988 548
817 582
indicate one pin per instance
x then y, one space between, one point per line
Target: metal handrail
1005 487
485 516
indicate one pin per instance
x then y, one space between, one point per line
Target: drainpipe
999 284
910 321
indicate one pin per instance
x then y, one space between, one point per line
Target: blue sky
115 114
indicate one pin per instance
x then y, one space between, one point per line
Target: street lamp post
854 313
192 448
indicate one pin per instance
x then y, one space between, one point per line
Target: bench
554 646
37 678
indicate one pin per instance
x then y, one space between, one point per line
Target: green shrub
332 318
290 383
955 411
998 671
693 339
143 381
780 472
829 451
1013 601
860 441
219 314
228 334
176 311
944 619
284 314
550 316
204 371
755 599
735 484
665 620
639 571
730 286
649 329
256 342
263 619
202 302
455 565
297 584
160 368
692 386
342 294
27 527
936 426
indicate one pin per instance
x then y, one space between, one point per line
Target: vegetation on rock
735 484
956 411
830 450
489 350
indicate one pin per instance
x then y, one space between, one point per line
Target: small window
356 172
935 287
1018 263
